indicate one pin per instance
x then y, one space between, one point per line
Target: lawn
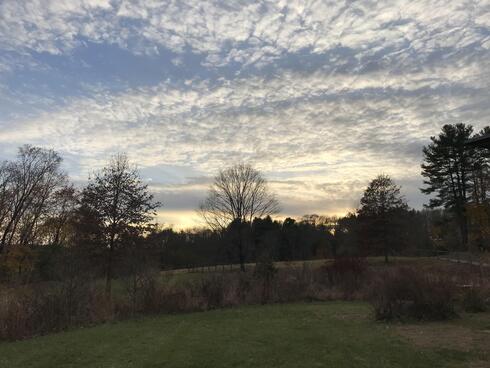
334 334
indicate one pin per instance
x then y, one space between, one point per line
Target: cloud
322 128
319 95
249 33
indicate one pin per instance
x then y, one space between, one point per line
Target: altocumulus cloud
320 95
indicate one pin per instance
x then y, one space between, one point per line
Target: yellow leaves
479 216
18 260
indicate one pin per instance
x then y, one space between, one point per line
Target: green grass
336 334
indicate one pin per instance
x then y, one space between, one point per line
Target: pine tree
449 169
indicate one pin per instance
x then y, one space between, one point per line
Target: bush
348 273
265 272
38 310
474 300
142 291
404 293
292 284
211 290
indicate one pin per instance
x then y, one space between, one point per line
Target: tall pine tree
450 170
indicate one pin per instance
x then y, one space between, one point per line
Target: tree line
46 223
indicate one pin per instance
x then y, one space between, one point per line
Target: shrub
243 290
292 284
211 290
474 300
35 311
404 293
265 272
176 300
142 291
347 273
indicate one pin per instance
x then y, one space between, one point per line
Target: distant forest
49 227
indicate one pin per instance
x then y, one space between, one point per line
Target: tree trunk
386 240
108 280
464 232
3 241
108 277
241 250
463 227
241 256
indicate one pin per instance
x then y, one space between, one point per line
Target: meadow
318 334
299 326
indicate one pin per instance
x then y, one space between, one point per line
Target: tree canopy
453 172
238 193
382 208
120 202
381 197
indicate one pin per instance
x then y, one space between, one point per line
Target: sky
320 96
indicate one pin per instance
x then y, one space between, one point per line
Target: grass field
335 334
184 274
311 263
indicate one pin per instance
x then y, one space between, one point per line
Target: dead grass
432 335
182 291
351 316
468 335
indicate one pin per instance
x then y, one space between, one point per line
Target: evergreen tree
449 169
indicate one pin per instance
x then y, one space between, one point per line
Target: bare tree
237 196
5 194
26 186
121 202
57 227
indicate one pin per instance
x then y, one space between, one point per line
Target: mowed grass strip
335 334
